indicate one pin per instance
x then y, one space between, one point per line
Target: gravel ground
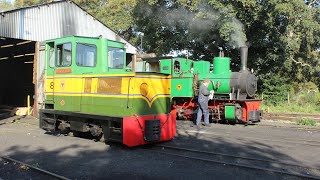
288 145
78 158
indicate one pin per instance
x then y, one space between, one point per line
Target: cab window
64 54
191 68
51 54
86 55
152 67
115 58
176 67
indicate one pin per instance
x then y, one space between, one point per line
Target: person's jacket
203 94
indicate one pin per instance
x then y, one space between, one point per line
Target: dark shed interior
16 71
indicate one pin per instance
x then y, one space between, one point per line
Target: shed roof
54 20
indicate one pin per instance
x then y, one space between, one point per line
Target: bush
275 90
302 93
303 97
290 108
307 122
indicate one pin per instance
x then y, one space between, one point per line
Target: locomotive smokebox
243 84
244 57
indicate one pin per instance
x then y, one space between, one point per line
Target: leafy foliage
307 122
305 93
5 5
199 27
284 107
116 14
303 97
24 3
275 89
283 35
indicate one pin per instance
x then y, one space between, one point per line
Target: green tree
312 3
287 41
283 35
25 3
197 26
116 14
5 5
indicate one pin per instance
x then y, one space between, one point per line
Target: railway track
278 139
37 169
265 165
300 127
291 116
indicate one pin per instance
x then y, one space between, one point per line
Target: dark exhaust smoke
244 57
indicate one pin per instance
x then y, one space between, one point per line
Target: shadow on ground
78 158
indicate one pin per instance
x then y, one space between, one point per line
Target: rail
300 171
36 168
291 116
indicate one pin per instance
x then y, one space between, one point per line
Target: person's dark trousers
203 109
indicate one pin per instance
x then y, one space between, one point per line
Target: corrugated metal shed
54 20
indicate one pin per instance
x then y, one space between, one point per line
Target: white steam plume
206 20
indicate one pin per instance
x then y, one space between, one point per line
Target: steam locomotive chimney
244 57
221 53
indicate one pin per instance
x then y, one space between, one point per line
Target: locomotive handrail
128 93
151 72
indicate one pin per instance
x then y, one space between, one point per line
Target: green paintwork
181 83
224 80
185 67
202 67
165 66
229 113
188 68
101 66
112 106
221 75
221 65
181 87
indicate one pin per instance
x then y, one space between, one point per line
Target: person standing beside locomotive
203 99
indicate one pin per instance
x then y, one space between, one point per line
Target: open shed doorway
16 73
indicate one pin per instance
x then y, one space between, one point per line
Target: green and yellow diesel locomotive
234 92
89 89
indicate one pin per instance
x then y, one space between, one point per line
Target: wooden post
134 62
36 67
28 104
288 98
